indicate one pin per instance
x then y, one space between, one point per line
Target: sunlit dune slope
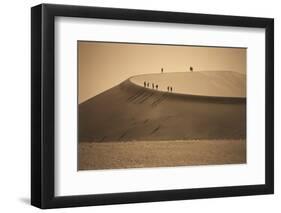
203 83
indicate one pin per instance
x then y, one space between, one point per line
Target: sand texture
115 155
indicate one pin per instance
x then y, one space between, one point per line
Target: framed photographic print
139 106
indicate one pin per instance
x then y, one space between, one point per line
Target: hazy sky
102 65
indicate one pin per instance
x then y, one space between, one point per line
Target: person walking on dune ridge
191 69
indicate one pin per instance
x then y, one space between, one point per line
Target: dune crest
199 83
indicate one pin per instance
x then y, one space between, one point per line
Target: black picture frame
43 114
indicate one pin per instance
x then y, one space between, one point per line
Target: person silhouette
156 86
171 89
144 83
191 69
168 88
162 70
152 85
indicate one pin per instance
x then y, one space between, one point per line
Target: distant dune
203 105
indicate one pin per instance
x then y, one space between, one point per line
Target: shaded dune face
129 112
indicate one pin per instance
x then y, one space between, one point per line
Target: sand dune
130 112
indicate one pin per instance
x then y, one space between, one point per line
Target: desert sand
203 121
116 155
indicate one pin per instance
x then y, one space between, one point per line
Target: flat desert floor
117 155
